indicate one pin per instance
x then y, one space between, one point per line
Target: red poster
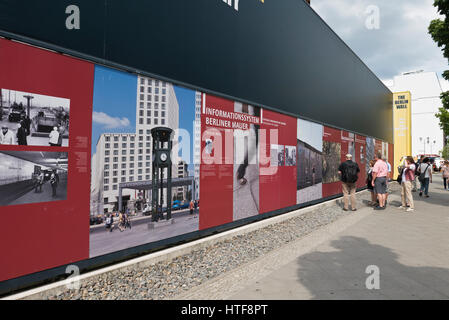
217 163
391 158
277 161
332 146
47 98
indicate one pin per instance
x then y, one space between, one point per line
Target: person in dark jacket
349 171
22 134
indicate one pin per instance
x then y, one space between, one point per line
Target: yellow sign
402 113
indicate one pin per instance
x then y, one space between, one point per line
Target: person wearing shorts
380 174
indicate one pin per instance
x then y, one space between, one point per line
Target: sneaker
379 208
402 207
427 195
410 210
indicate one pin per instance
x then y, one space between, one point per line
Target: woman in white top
445 172
408 175
425 176
54 137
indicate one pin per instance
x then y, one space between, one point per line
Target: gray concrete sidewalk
410 250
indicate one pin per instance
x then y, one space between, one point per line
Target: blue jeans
425 186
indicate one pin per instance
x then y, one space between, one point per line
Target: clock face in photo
163 157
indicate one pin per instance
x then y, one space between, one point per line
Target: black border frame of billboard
106 63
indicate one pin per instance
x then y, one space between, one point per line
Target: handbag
399 178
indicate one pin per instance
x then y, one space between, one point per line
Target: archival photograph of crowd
33 119
126 109
32 177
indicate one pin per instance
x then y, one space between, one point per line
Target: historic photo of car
33 119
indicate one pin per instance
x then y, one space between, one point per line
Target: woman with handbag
369 180
408 175
445 172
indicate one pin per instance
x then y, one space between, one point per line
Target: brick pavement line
230 283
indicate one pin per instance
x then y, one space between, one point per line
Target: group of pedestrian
123 222
378 177
193 207
20 137
39 180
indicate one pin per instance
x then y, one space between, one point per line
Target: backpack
422 175
351 174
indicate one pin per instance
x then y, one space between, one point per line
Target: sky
114 105
401 44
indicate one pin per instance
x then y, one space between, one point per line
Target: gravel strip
167 280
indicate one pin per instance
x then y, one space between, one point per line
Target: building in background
425 88
183 172
197 144
127 157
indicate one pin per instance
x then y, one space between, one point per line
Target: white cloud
401 44
110 122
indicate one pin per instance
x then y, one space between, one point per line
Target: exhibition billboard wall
275 54
78 151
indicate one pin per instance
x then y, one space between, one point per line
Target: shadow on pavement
341 274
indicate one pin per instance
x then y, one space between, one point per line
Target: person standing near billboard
380 174
349 171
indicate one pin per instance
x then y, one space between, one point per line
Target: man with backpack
425 176
349 171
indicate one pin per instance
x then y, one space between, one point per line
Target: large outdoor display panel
276 54
85 172
44 183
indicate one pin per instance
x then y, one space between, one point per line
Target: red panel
270 176
288 174
216 180
43 236
391 158
281 185
331 135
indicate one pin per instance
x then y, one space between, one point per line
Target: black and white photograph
277 155
30 119
32 177
290 156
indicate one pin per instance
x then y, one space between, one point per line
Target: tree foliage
439 30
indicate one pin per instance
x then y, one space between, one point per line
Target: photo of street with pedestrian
29 119
32 177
